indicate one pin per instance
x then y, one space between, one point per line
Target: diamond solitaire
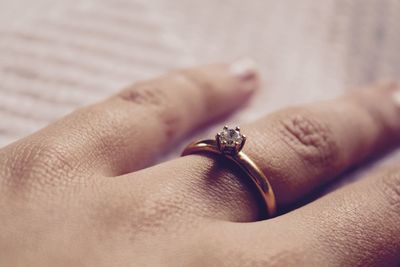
230 141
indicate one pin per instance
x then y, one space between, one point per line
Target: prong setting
230 140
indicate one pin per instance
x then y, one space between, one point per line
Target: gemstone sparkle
230 140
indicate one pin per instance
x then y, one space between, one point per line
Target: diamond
230 140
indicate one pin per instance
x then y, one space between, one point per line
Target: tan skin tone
77 193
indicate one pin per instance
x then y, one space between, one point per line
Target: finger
298 149
302 148
127 131
357 225
364 221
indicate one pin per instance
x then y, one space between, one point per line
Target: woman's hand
77 194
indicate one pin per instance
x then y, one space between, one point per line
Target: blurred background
58 55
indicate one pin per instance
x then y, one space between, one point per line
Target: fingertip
246 73
243 69
396 94
226 86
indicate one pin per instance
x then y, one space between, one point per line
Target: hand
78 194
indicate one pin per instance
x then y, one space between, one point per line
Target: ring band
229 144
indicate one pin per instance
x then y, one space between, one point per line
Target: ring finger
298 149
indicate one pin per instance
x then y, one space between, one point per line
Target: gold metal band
245 163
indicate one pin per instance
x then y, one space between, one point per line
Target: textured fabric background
58 55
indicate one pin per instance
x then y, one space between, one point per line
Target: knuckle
51 157
149 93
38 165
310 137
155 97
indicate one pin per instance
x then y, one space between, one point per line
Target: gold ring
229 143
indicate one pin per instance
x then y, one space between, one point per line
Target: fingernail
245 70
396 96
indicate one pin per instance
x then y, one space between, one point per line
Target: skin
81 192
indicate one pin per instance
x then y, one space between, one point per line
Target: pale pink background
58 55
